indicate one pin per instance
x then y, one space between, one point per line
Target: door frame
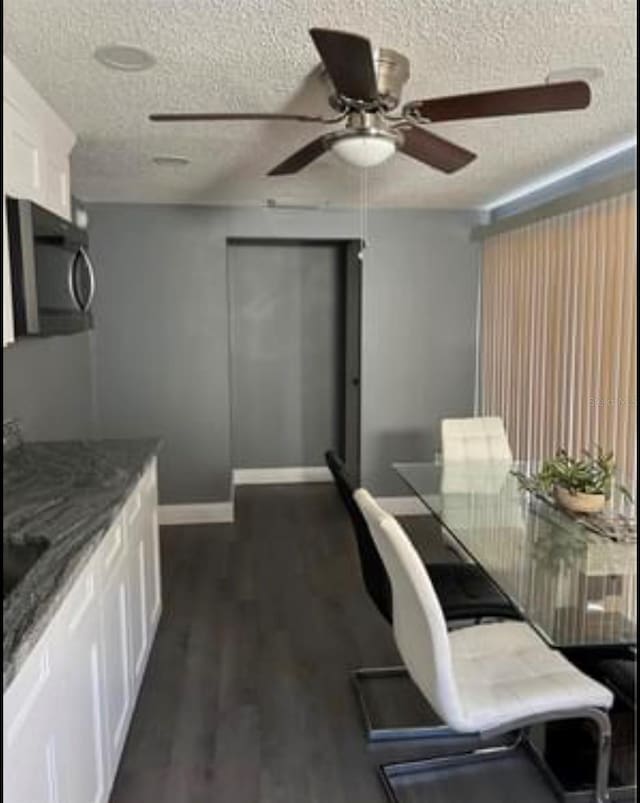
351 335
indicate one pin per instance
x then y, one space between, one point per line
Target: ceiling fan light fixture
363 148
367 84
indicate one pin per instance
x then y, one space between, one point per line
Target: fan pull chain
364 211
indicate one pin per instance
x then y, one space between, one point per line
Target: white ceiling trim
626 145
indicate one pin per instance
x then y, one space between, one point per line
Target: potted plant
580 485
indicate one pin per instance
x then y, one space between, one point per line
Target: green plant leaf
593 472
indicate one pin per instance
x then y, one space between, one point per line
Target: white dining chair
471 439
487 679
465 594
476 475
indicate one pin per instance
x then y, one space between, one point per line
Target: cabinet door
115 631
56 186
137 574
23 155
82 725
31 735
152 549
153 582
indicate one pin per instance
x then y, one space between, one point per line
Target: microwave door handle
92 279
71 281
82 304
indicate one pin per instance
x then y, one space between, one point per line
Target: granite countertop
68 494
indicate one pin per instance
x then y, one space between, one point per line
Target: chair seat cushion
504 672
465 592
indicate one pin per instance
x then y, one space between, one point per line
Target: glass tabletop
576 587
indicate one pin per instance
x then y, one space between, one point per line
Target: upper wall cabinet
37 144
36 148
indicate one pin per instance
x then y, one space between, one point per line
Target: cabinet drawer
146 487
113 548
149 480
133 506
80 598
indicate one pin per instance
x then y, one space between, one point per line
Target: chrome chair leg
388 772
603 726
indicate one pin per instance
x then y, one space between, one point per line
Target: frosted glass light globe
364 150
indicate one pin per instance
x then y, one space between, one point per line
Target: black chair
619 674
463 590
374 575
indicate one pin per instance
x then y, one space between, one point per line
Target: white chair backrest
419 626
468 439
470 477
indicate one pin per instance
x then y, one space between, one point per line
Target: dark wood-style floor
246 698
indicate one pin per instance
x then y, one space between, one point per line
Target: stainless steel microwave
53 281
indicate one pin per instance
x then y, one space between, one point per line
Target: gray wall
286 352
163 331
163 340
48 386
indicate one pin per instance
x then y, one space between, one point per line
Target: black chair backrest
374 574
619 674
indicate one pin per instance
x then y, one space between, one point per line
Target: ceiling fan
365 87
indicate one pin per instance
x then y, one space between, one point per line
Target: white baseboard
279 476
208 513
402 505
223 512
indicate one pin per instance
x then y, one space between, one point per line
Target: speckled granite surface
11 435
68 494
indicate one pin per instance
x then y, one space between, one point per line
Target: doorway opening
295 352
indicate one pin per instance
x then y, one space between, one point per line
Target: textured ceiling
235 55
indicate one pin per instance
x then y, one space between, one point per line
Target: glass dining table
577 588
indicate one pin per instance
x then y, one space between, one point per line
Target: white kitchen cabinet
141 517
57 194
36 148
138 634
115 621
152 552
67 712
31 737
83 754
37 145
24 155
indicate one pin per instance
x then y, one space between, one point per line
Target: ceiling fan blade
432 150
300 158
522 100
349 62
204 116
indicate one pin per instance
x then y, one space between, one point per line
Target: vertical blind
559 332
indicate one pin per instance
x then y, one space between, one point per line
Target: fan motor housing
392 73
